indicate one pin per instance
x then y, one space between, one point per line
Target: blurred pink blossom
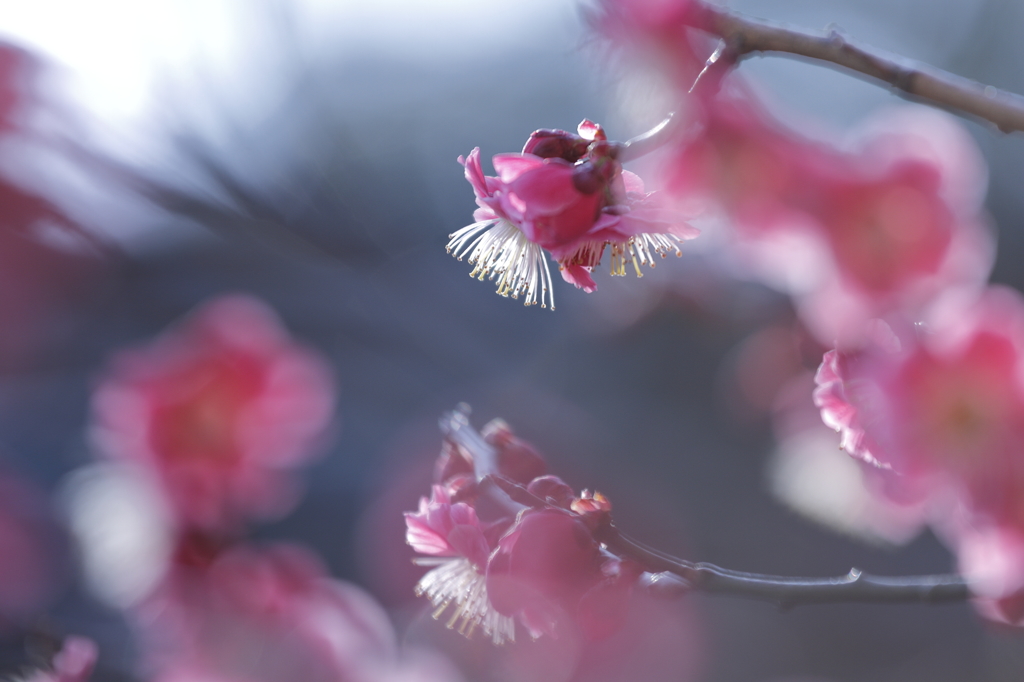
17 74
271 614
883 226
221 408
943 409
653 33
903 224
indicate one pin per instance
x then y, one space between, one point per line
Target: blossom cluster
884 246
533 558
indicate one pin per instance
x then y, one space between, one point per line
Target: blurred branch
854 587
745 35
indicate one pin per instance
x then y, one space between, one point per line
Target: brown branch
747 35
854 587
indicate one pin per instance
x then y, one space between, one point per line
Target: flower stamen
498 249
456 580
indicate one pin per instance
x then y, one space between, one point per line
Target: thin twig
854 587
748 35
708 81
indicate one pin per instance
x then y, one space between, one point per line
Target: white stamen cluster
640 250
499 250
456 581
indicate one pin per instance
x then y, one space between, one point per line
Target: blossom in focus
568 195
220 408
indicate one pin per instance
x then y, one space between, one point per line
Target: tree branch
854 587
747 35
786 592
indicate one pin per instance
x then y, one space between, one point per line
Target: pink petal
632 182
511 166
579 276
546 190
475 173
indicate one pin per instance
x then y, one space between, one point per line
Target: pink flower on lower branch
455 542
568 195
538 564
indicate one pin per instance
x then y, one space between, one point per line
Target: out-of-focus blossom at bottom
272 614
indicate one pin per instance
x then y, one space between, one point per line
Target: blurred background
155 155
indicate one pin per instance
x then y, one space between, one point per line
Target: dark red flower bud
556 144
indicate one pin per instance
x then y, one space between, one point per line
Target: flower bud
556 144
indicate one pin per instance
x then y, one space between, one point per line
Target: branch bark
786 592
745 35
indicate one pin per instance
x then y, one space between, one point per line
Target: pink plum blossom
943 410
883 226
517 459
440 528
456 546
220 407
533 559
945 407
653 34
902 224
573 205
